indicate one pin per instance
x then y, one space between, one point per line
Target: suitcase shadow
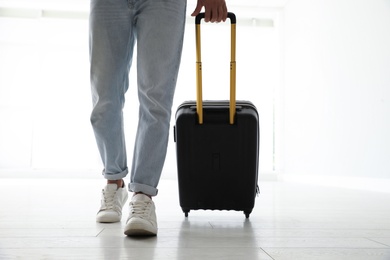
231 236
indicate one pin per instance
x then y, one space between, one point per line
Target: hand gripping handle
231 16
199 98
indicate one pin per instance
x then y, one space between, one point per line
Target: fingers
222 13
207 15
215 10
197 9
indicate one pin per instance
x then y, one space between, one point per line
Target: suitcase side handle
199 98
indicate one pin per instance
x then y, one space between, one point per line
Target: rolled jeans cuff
145 189
115 176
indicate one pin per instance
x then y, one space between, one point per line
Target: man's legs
160 29
111 47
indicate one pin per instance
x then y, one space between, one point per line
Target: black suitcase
217 146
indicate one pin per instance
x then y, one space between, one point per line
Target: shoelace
108 200
140 208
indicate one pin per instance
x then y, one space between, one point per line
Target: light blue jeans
157 26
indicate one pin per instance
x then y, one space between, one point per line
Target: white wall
337 88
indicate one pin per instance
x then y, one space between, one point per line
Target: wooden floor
55 219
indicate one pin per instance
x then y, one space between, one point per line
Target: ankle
135 193
119 183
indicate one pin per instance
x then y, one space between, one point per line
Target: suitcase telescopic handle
199 98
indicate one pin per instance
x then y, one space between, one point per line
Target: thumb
197 9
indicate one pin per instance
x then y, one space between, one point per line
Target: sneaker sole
108 219
136 229
139 233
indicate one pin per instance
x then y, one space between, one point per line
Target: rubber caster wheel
186 211
247 214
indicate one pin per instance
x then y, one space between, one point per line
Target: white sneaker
113 199
142 219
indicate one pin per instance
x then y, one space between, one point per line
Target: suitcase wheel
186 211
247 213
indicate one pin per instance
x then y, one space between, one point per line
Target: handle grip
201 16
